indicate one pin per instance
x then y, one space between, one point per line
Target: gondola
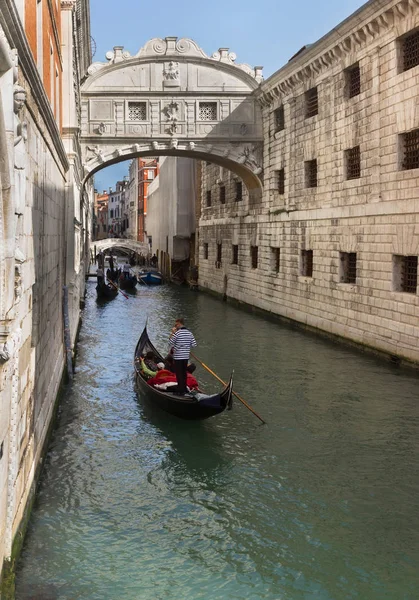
193 406
150 276
106 291
127 283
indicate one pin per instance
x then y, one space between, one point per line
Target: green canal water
322 502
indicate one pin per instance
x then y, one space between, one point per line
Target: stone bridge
120 244
171 99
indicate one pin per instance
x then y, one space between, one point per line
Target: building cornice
340 42
15 35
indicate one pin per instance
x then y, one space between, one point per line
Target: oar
224 383
117 288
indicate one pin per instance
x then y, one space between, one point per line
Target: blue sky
262 32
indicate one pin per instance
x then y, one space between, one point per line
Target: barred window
410 148
307 263
137 111
206 251
348 267
275 259
405 273
312 102
410 50
219 256
254 251
207 111
279 119
208 197
353 81
222 194
311 173
280 181
353 163
235 254
239 191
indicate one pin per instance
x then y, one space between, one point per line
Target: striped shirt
182 341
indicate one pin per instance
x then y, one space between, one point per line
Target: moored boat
150 277
192 406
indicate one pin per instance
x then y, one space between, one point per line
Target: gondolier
181 341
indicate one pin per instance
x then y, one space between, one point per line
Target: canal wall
334 241
44 227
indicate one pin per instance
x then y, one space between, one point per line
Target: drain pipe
67 336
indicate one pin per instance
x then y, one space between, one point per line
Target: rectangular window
208 198
206 251
222 194
254 251
235 254
307 263
410 149
219 256
280 181
348 267
137 111
311 102
275 259
353 81
353 163
311 173
239 191
207 111
409 48
111 214
279 119
405 273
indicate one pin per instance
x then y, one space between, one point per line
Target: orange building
148 169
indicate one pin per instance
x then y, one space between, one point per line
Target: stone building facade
44 228
334 241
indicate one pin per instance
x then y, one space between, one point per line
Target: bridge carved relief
172 99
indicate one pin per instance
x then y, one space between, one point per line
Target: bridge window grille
348 267
410 50
206 251
353 163
312 102
307 263
235 254
239 191
353 81
222 194
410 142
279 118
406 273
137 111
311 173
254 255
207 111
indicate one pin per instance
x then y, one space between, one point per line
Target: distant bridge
125 245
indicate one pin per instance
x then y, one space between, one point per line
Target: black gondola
127 281
193 406
106 291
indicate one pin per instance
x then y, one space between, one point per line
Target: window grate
411 149
276 259
354 81
348 267
409 274
235 255
222 194
279 118
137 111
281 181
312 103
208 198
254 254
307 263
219 255
207 111
353 163
311 173
239 191
206 251
410 50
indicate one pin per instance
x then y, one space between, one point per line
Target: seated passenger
165 377
150 361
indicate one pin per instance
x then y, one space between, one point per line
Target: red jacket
166 376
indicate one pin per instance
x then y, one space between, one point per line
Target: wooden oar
224 383
117 288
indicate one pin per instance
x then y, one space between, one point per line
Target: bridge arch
171 99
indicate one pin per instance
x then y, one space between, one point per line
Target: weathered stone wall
374 216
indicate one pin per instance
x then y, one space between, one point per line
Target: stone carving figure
171 74
20 137
248 158
171 112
